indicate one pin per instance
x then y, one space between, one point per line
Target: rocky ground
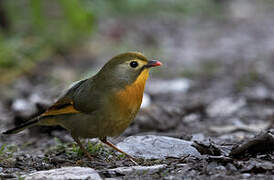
208 112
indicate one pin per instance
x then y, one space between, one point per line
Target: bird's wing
65 104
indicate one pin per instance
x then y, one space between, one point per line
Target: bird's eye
133 64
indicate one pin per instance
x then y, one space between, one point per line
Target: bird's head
125 69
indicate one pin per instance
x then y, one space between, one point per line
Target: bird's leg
104 140
76 139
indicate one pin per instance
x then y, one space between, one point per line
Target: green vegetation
38 29
95 148
2 149
6 154
73 150
20 178
247 80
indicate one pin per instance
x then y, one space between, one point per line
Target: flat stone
65 173
137 170
157 147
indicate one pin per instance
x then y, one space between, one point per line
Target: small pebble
246 175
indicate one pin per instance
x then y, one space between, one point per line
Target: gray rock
149 120
238 126
137 170
36 98
246 175
225 107
171 86
191 118
65 173
157 147
198 137
24 107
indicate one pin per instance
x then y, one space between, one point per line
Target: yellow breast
129 99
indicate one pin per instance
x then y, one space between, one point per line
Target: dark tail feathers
22 127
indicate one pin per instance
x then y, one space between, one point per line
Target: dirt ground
227 108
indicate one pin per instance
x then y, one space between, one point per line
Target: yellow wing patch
65 110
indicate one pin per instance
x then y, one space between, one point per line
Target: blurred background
216 84
217 56
35 34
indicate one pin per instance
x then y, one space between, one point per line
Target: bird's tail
28 124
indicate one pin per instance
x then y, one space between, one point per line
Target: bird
101 106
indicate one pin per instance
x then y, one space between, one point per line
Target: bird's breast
128 101
130 98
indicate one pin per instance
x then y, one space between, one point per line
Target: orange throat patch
129 99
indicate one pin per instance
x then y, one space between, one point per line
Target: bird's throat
130 98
